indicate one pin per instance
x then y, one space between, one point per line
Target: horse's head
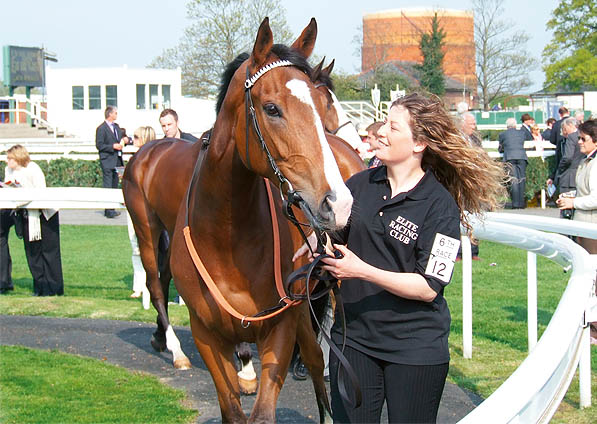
336 120
278 129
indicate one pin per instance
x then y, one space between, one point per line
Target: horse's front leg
313 359
217 355
275 350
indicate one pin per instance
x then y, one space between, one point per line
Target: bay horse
269 126
153 189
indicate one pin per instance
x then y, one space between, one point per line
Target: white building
77 97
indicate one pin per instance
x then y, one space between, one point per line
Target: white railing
34 112
86 151
534 391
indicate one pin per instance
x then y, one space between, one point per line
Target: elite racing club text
403 230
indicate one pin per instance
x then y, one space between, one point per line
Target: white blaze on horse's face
341 203
348 132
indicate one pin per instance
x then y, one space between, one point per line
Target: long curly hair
476 181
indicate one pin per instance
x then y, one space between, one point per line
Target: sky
89 33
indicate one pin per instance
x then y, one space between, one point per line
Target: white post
467 298
584 368
532 299
542 198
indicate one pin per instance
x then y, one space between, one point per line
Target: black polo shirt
397 234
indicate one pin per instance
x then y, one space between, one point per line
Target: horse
152 188
269 126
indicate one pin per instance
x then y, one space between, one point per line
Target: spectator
141 136
565 179
527 122
468 126
108 142
547 133
6 221
584 203
580 116
41 229
169 123
556 139
372 139
511 144
397 319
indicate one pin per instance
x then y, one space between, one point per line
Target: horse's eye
271 109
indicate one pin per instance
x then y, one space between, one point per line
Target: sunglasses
584 138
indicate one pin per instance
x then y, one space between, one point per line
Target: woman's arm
589 202
408 285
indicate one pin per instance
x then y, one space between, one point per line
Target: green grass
53 387
98 280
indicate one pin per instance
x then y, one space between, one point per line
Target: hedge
86 173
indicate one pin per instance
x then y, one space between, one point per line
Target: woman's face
12 163
586 143
395 138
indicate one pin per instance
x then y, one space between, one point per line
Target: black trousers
6 221
43 257
412 392
110 180
517 169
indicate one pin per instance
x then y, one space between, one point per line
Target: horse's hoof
158 344
182 364
247 387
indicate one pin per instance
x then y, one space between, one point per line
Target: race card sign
442 258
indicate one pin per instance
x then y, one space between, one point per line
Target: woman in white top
41 232
585 202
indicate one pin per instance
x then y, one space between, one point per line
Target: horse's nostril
325 209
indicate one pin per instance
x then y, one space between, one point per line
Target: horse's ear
316 72
306 41
263 43
328 71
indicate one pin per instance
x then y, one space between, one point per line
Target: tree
570 59
431 71
503 62
221 30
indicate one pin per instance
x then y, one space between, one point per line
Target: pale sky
88 33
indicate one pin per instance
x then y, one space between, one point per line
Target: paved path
127 344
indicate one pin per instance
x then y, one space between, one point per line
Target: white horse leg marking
343 202
178 357
247 371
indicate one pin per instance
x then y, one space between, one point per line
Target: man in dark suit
527 121
565 178
169 124
107 141
556 139
511 144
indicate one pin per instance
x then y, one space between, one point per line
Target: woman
398 253
141 136
585 202
41 229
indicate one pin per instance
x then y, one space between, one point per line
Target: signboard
23 66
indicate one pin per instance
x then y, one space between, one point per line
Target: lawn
98 280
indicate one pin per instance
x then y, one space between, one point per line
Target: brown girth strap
284 303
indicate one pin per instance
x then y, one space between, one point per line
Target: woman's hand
304 249
348 266
565 202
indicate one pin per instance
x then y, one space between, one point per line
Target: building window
78 101
95 97
111 95
154 100
166 96
141 96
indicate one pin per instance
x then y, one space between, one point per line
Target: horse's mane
283 52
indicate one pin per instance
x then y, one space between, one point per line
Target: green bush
537 173
65 172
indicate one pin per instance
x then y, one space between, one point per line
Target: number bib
442 258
